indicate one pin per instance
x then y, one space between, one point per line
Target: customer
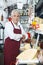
40 56
14 34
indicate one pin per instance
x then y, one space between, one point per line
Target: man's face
15 17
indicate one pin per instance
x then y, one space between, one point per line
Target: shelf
23 15
23 18
1 39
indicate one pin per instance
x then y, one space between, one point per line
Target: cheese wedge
27 54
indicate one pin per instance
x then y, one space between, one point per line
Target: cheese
27 54
41 27
27 46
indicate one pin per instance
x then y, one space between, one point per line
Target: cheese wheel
27 54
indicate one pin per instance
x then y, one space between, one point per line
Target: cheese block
27 54
27 46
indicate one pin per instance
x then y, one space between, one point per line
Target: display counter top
28 57
29 61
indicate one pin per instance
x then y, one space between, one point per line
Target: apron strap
12 24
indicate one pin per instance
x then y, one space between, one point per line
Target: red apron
11 48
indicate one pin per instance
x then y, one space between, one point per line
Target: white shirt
9 31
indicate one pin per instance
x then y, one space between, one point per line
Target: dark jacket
39 9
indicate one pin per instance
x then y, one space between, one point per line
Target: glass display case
1 36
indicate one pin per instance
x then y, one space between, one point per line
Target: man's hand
23 37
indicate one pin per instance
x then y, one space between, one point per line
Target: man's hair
13 11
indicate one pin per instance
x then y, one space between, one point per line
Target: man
14 34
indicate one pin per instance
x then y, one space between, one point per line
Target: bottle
2 17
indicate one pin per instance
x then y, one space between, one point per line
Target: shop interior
35 20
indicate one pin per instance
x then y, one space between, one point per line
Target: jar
41 44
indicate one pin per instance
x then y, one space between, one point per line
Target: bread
27 54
